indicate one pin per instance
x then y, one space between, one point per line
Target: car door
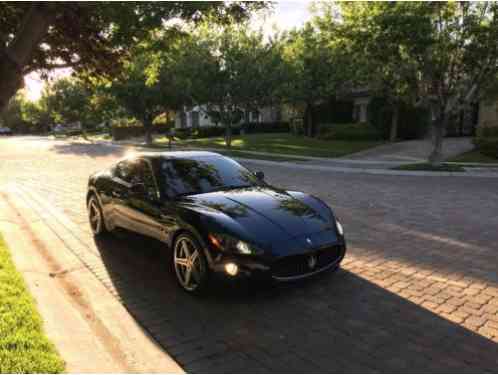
143 206
120 194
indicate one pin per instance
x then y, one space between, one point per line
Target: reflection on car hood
264 213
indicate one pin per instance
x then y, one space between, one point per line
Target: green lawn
473 156
23 346
283 143
246 155
428 167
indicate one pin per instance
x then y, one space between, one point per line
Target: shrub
297 126
487 131
487 145
210 131
124 132
266 127
348 132
413 123
163 128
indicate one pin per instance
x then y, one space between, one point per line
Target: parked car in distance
216 217
5 131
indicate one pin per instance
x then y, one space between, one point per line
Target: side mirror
259 175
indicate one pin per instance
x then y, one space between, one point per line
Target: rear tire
96 217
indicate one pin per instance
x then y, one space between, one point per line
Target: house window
255 116
195 119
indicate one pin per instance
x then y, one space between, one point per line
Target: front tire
96 217
190 264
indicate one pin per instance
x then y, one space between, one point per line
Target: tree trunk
308 120
148 132
12 60
228 136
11 80
436 156
394 124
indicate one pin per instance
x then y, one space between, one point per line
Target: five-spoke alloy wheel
95 216
190 263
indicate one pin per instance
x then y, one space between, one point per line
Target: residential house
197 116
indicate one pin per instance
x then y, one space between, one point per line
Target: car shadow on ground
337 322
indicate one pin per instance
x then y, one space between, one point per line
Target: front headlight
243 247
227 243
340 229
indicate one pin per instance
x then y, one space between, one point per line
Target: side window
123 171
146 176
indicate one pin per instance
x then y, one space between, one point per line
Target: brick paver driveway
418 290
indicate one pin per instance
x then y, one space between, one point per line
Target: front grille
297 265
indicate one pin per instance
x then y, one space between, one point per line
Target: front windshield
181 177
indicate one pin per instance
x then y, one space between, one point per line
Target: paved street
418 290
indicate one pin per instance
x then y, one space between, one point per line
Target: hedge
219 131
486 141
487 131
124 132
413 123
349 132
266 127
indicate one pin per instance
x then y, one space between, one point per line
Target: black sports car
217 217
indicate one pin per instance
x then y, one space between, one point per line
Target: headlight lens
231 244
340 229
243 247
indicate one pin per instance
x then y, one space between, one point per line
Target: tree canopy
90 36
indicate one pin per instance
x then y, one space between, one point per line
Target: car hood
263 214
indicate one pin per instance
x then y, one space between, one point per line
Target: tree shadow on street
93 150
337 322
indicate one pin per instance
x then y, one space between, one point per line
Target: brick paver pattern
417 292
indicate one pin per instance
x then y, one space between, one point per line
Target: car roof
168 155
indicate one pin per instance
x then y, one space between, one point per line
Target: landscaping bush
334 111
487 131
487 145
121 132
413 123
163 128
348 132
210 131
266 127
297 126
182 133
128 128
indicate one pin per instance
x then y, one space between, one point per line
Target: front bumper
284 268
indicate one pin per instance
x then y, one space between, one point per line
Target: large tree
447 53
228 71
68 100
40 36
318 69
380 62
144 94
